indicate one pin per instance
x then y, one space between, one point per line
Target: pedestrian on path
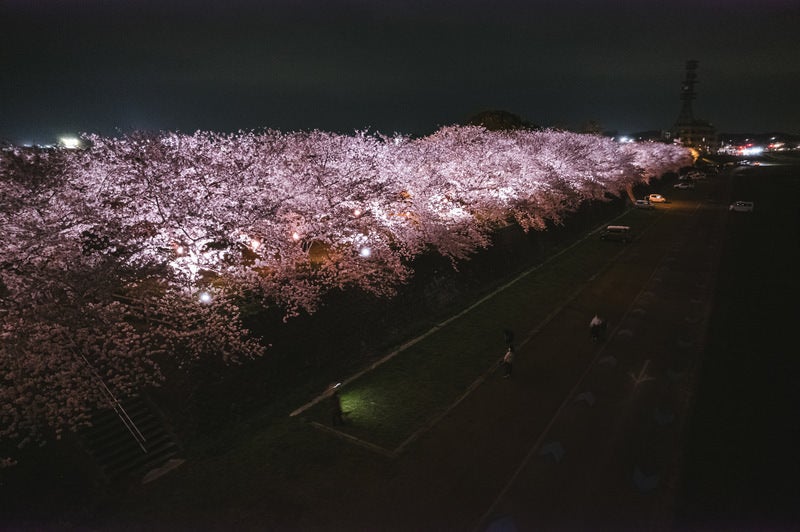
336 410
508 362
597 327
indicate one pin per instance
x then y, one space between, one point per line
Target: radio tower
690 131
686 118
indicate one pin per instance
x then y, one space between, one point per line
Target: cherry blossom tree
141 248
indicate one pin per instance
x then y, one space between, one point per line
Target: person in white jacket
597 327
508 362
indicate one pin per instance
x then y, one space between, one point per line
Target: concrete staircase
131 441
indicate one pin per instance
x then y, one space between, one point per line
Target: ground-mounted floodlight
332 389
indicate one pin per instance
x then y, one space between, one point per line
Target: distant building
652 135
688 130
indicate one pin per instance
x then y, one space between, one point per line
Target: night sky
109 67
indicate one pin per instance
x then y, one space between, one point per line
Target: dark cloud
391 65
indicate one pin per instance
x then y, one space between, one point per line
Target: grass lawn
385 406
290 463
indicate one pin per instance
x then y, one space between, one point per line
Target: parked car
741 206
657 198
709 168
643 204
618 233
685 185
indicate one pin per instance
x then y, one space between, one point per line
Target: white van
619 233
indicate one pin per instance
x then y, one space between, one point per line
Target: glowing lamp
365 252
254 244
295 236
205 297
356 212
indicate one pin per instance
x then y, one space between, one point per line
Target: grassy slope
283 463
389 403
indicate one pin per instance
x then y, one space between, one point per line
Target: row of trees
145 246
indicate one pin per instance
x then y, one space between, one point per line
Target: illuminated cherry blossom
139 249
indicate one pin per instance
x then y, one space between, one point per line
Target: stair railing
118 408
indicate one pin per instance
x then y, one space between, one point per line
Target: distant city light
70 143
752 150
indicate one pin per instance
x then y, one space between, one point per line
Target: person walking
508 362
336 409
596 327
